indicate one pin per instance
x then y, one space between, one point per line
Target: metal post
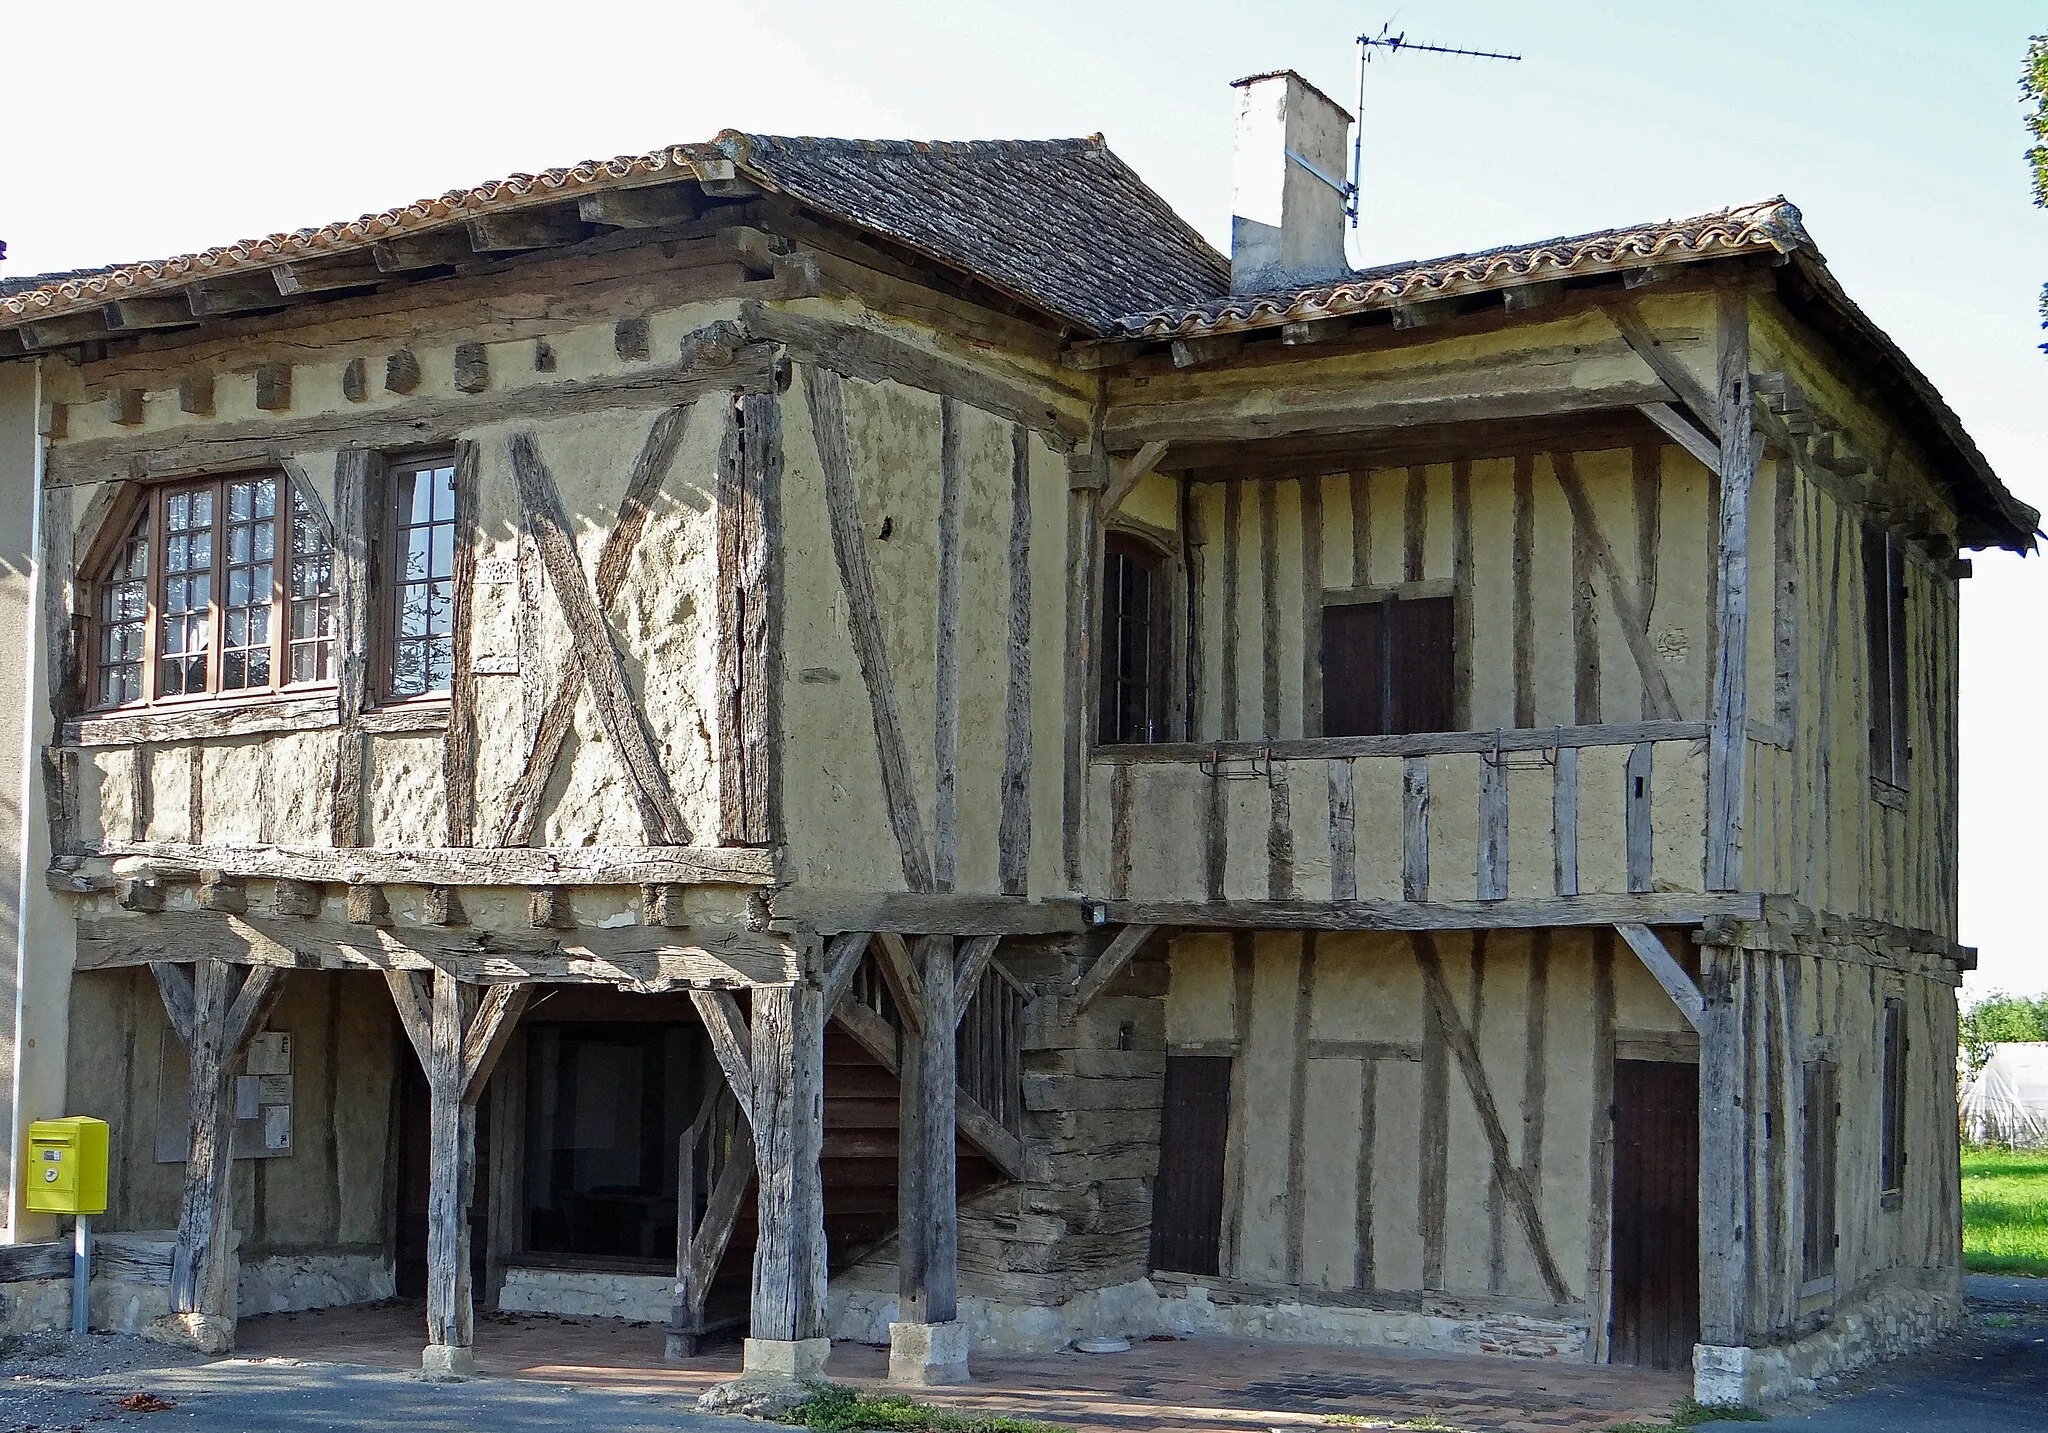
81 1272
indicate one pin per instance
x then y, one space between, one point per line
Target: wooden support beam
1523 297
597 653
316 276
1658 960
1111 962
927 1236
66 329
1628 320
441 248
525 229
731 1043
274 387
458 1039
1125 476
900 973
175 983
251 293
1728 714
154 311
975 954
124 407
788 1303
842 962
227 1009
195 394
1194 352
639 208
1674 426
1647 908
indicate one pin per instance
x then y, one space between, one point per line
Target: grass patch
1687 1414
2005 1211
834 1408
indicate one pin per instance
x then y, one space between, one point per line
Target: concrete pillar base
202 1333
1723 1375
778 1359
927 1355
447 1363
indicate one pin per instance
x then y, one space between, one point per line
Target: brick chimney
1287 212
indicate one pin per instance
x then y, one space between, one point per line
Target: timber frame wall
776 607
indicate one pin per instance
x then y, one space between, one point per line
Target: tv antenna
1393 44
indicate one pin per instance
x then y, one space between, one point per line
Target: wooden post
788 1338
1724 1150
1728 719
216 1010
458 1041
927 1344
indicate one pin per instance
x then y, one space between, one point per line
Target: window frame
1895 1047
146 504
1887 657
387 585
1165 629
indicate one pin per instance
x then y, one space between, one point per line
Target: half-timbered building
871 740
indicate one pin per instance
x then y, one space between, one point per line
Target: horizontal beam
1647 908
462 865
1363 407
830 912
1438 743
641 957
201 449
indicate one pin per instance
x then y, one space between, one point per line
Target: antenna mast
1393 45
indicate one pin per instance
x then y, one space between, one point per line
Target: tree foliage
2034 89
1999 1018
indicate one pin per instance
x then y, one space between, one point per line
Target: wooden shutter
1819 1160
1187 1197
1424 658
1354 679
1892 1164
1884 608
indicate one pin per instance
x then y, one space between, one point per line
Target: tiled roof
1062 224
1772 224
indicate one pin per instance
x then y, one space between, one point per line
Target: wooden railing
1435 817
988 1050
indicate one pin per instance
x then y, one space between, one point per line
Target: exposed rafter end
1193 352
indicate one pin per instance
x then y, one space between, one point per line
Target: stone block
785 1359
447 1363
926 1355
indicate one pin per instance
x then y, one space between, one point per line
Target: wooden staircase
859 1161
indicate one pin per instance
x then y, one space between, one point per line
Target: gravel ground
52 1381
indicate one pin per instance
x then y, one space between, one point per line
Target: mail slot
67 1166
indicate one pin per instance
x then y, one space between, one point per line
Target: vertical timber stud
458 1040
1724 1163
928 1345
217 1015
458 752
1727 726
788 1338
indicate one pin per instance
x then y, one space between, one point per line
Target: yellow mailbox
67 1166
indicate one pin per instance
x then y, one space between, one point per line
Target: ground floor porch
1217 1385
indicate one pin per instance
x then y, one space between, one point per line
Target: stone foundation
862 1305
588 1293
288 1283
1885 1325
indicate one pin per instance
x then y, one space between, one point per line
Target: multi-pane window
1136 639
422 581
124 620
187 602
1884 605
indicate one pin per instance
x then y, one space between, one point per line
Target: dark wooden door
1187 1198
1655 1315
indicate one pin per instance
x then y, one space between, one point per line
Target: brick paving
1195 1385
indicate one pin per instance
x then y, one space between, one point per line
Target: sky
1895 127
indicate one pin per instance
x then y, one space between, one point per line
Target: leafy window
186 604
421 635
